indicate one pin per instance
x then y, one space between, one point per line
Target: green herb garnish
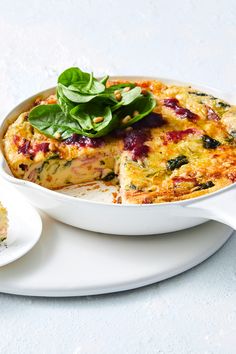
177 162
132 186
206 185
197 93
210 143
222 104
85 106
110 176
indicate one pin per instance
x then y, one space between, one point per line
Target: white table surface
188 40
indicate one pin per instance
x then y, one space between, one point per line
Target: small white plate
25 225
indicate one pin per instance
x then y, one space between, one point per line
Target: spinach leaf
177 162
210 143
85 113
86 107
142 105
84 83
65 104
128 97
206 185
113 88
93 86
110 176
50 119
222 104
197 93
85 88
72 75
75 96
104 79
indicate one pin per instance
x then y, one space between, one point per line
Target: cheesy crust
184 149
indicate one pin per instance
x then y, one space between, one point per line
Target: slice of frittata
3 223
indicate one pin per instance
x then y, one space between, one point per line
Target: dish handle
220 206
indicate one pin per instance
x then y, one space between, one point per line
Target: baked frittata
184 148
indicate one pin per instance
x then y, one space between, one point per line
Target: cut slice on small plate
3 223
24 225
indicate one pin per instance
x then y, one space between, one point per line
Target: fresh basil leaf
50 119
143 104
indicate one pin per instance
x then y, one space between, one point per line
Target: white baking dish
124 219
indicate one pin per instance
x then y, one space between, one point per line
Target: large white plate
68 261
25 225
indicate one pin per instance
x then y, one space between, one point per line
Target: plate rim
38 226
123 285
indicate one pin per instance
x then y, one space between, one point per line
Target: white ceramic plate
71 262
25 225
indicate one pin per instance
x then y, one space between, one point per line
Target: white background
193 41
